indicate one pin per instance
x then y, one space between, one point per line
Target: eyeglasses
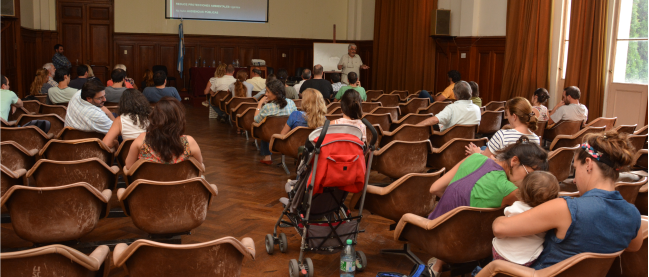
100 98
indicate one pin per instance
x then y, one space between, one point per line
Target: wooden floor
247 206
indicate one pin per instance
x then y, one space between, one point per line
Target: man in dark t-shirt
153 94
318 83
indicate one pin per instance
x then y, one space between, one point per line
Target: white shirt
462 112
130 129
87 117
519 250
222 84
350 65
257 83
503 138
573 112
298 85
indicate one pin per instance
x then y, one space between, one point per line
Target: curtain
586 66
527 50
404 52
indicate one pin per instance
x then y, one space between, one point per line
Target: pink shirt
127 83
356 122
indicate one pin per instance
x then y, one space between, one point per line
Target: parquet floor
247 206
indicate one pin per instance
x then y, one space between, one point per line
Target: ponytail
239 88
351 104
522 108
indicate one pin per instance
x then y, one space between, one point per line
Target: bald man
319 83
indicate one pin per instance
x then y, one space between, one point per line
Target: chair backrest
393 111
412 119
642 131
388 100
59 110
456 131
638 141
383 120
147 170
583 264
640 159
290 143
609 123
245 118
15 156
540 128
629 129
122 152
69 133
403 94
405 132
234 102
338 110
399 158
452 152
45 214
563 127
629 190
570 141
560 161
367 107
298 103
434 108
236 110
269 126
56 122
332 117
494 105
413 105
221 257
79 149
10 178
490 122
215 99
32 106
4 123
41 98
92 171
55 260
373 94
16 114
333 106
29 137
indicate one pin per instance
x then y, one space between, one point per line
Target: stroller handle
323 133
374 134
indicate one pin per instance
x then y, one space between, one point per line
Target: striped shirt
503 138
272 109
84 116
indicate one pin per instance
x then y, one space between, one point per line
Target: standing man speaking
351 63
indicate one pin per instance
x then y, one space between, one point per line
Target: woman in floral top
164 141
274 103
540 98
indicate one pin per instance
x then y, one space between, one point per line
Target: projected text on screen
226 10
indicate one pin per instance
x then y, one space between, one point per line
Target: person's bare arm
440 98
440 185
108 113
553 214
286 129
134 151
207 88
195 149
18 104
636 243
429 122
113 133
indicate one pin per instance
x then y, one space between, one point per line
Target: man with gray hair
350 63
318 83
462 111
50 82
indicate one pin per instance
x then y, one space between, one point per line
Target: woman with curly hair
133 118
313 115
42 76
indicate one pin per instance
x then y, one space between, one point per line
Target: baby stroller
333 165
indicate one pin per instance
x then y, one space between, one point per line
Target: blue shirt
602 222
154 94
297 119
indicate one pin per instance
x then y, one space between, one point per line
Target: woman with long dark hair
132 119
164 140
274 103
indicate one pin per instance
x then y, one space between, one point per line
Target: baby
537 188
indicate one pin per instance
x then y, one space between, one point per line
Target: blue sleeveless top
602 222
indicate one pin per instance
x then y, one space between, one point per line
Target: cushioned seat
15 156
403 94
122 152
434 108
367 107
16 114
56 123
383 120
333 106
575 139
629 129
10 178
55 260
29 137
221 257
437 138
562 128
92 171
494 105
405 132
167 208
631 264
412 119
32 106
560 162
393 111
413 105
78 149
59 110
269 126
55 214
490 122
399 158
609 123
69 133
388 100
452 152
372 95
143 169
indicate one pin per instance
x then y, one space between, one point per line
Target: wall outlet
463 55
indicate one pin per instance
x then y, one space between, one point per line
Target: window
631 63
566 35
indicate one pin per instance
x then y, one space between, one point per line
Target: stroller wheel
309 267
293 268
283 243
360 258
270 244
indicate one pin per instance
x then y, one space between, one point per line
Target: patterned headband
598 155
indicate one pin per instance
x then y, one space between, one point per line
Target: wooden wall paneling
283 60
146 57
266 54
9 49
71 37
208 54
227 55
188 63
301 58
246 54
125 54
497 76
100 46
169 58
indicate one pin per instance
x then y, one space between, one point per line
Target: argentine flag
181 48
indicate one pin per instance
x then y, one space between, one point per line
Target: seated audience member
475 93
82 73
153 94
50 75
128 82
9 101
147 79
240 87
453 77
539 103
86 111
91 74
486 182
62 93
223 78
39 81
274 103
350 103
256 81
306 75
569 108
132 119
313 115
598 221
354 84
518 112
318 83
272 77
462 111
116 88
291 93
335 82
164 140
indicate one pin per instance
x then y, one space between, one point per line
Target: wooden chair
583 264
629 129
92 171
434 108
640 159
393 111
217 97
4 123
149 258
383 120
560 162
372 95
15 156
19 111
490 122
143 169
289 144
451 153
562 128
223 101
494 105
333 106
32 106
234 102
298 103
632 263
641 200
41 98
167 208
388 100
246 118
399 158
437 138
638 141
337 110
59 110
403 94
239 109
630 190
29 137
56 123
408 194
367 107
55 260
122 152
10 178
332 117
46 214
572 140
609 123
113 109
69 133
405 132
540 128
79 149
413 105
412 119
269 126
641 131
